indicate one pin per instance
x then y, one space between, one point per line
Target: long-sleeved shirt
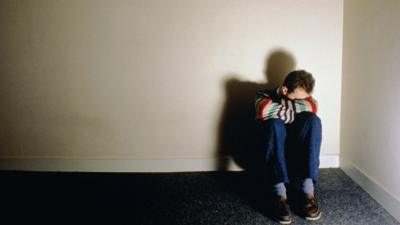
270 104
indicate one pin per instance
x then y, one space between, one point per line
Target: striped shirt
269 104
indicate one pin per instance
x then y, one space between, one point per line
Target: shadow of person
239 136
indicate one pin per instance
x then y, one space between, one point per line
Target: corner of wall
380 194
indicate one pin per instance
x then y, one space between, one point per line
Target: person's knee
276 126
275 123
311 118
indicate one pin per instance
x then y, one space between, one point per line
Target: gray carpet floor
234 198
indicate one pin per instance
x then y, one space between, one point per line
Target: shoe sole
314 218
285 222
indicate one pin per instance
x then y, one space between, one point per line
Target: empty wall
371 89
154 80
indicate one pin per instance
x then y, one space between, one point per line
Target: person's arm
306 105
265 107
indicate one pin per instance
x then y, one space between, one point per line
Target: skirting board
134 165
382 196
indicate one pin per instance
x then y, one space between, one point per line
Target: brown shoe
310 207
282 211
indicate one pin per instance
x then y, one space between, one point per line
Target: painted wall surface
160 79
370 113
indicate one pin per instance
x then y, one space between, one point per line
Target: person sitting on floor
292 132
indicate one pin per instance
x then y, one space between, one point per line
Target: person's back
292 130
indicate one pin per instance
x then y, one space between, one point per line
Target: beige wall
149 79
370 112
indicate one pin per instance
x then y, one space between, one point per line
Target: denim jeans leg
304 143
275 133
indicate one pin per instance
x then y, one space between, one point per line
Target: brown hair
299 79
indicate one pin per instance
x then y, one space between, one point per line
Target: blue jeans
292 150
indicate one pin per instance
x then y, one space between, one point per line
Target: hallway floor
174 198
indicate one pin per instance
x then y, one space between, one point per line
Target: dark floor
173 198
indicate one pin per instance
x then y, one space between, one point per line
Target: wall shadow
239 135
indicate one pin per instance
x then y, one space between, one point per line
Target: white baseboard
380 194
134 165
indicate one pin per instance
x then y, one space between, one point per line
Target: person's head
298 84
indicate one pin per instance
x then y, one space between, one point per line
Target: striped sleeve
266 108
306 105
